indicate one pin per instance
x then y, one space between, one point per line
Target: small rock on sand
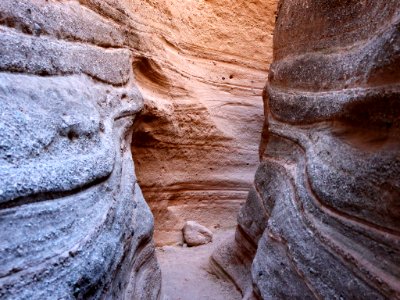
195 234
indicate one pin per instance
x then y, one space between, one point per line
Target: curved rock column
322 219
73 221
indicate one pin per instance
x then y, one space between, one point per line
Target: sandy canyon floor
186 274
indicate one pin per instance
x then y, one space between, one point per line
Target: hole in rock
72 135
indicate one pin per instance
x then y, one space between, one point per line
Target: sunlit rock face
73 221
323 217
202 73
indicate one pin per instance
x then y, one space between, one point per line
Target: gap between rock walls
195 143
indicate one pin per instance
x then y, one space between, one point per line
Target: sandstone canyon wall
73 221
322 219
203 67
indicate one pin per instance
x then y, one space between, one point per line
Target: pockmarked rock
195 234
322 218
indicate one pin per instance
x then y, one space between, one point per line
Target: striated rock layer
73 221
204 65
323 217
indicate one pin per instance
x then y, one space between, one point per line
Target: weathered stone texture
73 221
322 219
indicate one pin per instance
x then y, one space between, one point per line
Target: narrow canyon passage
199 149
195 144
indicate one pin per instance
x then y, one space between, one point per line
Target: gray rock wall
322 219
73 221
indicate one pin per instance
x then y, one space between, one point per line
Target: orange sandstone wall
202 66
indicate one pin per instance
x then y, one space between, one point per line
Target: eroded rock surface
202 73
322 219
73 221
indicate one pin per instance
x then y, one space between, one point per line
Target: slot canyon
199 149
